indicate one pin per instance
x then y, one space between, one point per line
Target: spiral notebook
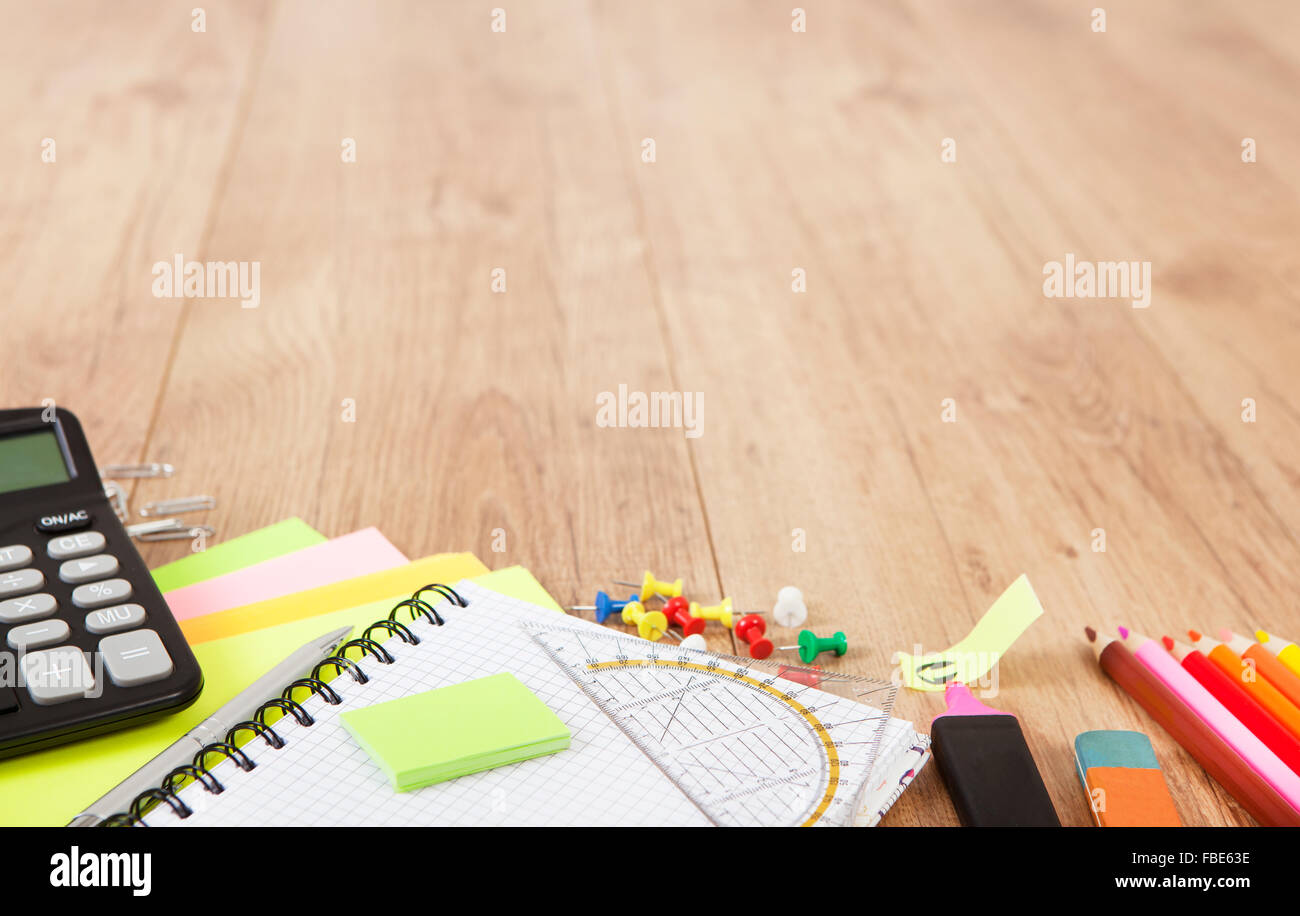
307 771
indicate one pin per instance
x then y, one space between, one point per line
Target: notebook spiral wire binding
197 771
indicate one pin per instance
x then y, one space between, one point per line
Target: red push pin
751 628
678 611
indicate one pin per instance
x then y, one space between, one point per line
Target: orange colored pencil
1242 672
1276 673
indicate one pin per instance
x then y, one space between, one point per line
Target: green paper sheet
263 544
452 731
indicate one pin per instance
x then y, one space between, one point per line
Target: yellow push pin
650 625
653 588
720 612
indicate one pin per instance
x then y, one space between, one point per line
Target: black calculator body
87 643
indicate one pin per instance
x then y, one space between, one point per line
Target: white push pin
694 641
789 610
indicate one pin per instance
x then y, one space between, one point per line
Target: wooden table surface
823 410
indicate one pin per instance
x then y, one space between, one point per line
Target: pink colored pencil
1224 724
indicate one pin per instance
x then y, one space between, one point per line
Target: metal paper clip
117 497
168 529
137 470
179 505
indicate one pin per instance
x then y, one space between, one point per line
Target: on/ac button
63 521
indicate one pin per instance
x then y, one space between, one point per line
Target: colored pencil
1250 790
1276 673
1233 694
1215 714
1246 674
1288 653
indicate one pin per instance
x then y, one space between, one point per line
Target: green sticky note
263 544
452 731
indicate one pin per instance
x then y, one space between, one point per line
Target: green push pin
811 645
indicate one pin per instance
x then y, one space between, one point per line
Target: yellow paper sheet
50 787
447 568
971 659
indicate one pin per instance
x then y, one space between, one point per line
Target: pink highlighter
986 765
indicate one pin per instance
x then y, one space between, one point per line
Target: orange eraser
1122 777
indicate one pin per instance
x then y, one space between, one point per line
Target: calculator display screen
31 460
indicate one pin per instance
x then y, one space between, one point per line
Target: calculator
89 644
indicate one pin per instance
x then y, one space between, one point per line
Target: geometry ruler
751 743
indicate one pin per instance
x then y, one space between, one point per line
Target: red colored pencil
1245 785
1240 703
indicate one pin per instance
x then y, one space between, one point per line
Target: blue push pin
605 606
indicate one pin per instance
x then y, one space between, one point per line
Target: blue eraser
1106 748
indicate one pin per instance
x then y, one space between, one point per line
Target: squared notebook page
322 778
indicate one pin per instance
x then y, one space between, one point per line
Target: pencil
1232 694
1253 751
1245 673
1288 653
1260 799
1273 670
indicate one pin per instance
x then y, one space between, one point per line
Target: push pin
605 606
678 611
790 609
750 628
720 612
653 588
693 641
651 625
811 645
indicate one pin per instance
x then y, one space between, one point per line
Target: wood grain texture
475 411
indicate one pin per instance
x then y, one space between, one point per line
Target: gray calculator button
114 619
99 594
33 607
135 658
37 635
75 545
56 675
88 569
14 556
21 582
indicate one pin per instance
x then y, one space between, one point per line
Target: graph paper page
322 777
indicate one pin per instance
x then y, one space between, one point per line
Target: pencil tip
1169 643
1195 635
1261 635
1090 633
1123 632
1225 634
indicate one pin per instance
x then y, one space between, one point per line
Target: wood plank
140 109
474 411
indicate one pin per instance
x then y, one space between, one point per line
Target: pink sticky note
345 557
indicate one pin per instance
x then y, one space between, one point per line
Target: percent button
100 594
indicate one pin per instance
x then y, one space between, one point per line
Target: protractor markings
831 761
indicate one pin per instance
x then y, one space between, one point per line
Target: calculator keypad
88 569
114 619
135 658
38 635
75 545
33 607
20 582
54 673
14 557
100 594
